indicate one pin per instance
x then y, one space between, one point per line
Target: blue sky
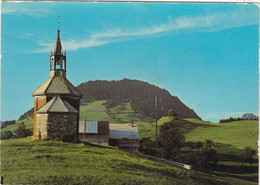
206 54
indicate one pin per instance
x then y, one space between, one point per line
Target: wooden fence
181 165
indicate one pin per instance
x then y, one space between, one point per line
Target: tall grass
25 161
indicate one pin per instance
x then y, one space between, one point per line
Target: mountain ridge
249 116
140 94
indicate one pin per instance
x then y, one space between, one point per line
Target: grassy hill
238 134
141 95
27 121
24 161
230 138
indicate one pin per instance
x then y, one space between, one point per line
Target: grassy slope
28 123
230 137
25 161
238 133
95 111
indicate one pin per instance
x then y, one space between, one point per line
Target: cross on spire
59 22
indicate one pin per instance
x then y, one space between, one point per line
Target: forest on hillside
141 96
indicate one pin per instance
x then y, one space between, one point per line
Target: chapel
56 102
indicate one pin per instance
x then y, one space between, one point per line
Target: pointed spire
58 47
58 60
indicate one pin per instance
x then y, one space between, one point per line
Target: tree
172 113
147 146
22 132
170 139
248 154
205 154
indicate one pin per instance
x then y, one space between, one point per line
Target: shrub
248 154
172 113
22 132
147 146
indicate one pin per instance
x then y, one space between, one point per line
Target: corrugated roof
120 134
57 85
120 131
94 127
127 126
56 104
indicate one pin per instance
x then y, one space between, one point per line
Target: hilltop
141 96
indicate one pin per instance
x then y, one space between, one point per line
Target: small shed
124 136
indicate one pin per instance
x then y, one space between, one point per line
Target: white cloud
27 8
24 36
201 23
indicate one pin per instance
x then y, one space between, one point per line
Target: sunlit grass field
94 111
24 161
237 133
61 163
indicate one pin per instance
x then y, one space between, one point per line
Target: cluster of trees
20 132
141 96
230 119
170 144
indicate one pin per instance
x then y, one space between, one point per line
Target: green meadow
25 161
94 111
239 134
229 138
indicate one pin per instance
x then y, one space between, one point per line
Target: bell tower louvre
56 102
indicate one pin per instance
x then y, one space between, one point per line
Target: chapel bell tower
58 60
56 102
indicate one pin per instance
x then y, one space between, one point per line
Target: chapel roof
57 85
56 104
